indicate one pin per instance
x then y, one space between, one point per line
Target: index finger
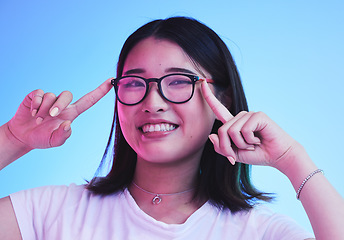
93 97
218 108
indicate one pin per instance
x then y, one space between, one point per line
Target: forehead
156 55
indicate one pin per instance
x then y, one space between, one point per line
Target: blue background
289 54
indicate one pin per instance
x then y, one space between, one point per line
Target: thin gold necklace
157 196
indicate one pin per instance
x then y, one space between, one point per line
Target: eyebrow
179 70
168 70
134 71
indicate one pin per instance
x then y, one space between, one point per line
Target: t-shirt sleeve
36 208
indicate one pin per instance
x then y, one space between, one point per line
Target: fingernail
34 112
231 160
250 148
210 138
39 120
66 128
54 112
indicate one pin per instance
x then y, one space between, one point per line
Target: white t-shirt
72 212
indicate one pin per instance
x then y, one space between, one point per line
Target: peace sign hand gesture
43 120
248 137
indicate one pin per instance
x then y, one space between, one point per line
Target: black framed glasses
175 87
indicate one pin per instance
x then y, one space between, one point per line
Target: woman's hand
43 120
253 138
248 137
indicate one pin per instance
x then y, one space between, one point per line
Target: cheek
124 116
201 117
121 117
204 108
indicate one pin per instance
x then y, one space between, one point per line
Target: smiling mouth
161 127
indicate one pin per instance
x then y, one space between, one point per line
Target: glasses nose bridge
157 80
158 86
152 80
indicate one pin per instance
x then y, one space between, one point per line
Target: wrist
18 144
296 165
11 148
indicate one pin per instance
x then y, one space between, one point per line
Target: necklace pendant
156 200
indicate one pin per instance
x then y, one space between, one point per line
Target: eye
178 81
131 83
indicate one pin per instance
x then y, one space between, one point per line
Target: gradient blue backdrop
289 54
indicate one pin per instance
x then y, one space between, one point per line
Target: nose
154 101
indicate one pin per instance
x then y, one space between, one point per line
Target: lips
158 127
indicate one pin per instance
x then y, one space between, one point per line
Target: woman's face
160 131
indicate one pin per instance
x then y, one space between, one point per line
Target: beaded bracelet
306 179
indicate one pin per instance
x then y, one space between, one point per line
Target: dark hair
226 186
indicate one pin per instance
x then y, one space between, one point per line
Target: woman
181 155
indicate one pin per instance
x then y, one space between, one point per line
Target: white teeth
161 127
150 128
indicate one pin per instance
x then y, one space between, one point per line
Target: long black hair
225 186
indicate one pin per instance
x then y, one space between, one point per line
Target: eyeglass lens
175 88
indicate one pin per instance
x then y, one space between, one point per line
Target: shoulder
273 225
59 193
54 199
262 217
53 210
52 192
259 222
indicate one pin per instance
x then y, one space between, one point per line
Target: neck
157 197
166 178
175 184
